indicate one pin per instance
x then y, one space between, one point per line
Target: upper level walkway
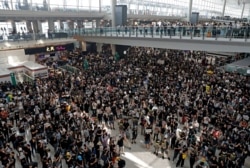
221 40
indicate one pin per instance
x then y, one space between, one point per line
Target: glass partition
234 9
206 8
84 5
71 5
94 5
224 33
175 31
56 6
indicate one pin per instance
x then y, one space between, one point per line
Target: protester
169 93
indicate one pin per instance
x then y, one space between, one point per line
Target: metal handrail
226 33
168 31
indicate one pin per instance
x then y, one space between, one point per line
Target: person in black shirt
120 144
177 148
147 140
5 160
111 121
93 163
213 163
125 125
87 153
134 134
193 155
108 164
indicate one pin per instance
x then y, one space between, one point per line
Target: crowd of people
177 100
234 29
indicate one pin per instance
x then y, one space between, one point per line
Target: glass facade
206 8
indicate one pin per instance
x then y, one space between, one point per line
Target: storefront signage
60 48
51 48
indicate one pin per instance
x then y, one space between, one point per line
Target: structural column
99 47
100 6
224 7
13 25
30 5
113 4
29 27
89 5
189 14
242 12
51 25
79 26
48 5
97 23
37 26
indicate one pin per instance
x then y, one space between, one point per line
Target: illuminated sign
50 48
53 48
60 48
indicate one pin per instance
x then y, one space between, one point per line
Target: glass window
55 5
5 28
72 4
246 13
5 5
208 7
106 6
84 5
233 9
95 5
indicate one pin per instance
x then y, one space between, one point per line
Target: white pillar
242 12
189 14
224 7
64 4
113 4
11 4
77 3
100 6
137 8
48 5
89 5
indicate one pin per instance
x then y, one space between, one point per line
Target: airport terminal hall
124 83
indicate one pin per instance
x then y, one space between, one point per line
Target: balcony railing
185 32
18 37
